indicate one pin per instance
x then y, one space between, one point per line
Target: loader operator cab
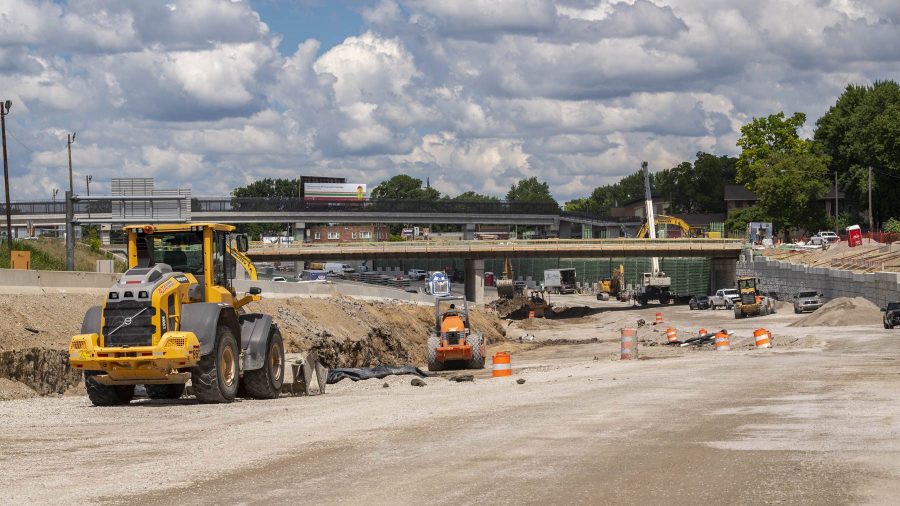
183 251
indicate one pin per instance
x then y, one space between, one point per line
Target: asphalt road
816 424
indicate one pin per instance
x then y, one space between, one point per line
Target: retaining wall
26 281
273 289
787 279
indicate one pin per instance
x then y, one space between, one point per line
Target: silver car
807 301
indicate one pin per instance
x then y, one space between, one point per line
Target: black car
892 315
699 302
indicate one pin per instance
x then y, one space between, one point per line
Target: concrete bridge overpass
299 213
723 253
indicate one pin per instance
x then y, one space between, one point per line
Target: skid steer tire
165 391
106 395
266 382
476 341
431 353
738 314
215 378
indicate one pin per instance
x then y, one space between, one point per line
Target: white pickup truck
724 298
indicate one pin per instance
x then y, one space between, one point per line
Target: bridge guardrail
482 244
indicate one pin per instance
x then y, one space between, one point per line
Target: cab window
183 251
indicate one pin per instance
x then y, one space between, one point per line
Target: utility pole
70 211
836 227
871 221
4 110
69 141
87 183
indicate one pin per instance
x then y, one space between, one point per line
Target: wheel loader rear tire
215 377
476 341
172 391
434 342
106 395
266 382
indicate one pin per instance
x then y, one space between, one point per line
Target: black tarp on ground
364 373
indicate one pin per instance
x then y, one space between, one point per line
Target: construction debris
416 382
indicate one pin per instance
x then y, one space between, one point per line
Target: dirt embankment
36 329
352 333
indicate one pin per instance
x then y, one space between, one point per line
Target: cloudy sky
475 94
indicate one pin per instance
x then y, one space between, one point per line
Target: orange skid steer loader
453 345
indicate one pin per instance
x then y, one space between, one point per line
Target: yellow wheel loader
174 316
751 303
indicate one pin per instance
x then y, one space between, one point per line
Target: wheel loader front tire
476 341
434 342
106 395
165 391
266 382
215 377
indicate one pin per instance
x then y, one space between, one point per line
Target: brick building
349 233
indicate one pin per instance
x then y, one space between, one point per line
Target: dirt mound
42 321
842 312
42 370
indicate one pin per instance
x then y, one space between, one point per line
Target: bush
892 225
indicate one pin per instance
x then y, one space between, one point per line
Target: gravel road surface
813 422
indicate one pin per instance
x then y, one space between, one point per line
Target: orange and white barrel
722 343
629 345
659 318
502 364
672 335
763 338
702 332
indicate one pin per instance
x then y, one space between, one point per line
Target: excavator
662 219
512 299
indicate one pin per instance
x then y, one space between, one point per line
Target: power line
20 142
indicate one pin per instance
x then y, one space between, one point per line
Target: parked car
892 315
418 274
824 237
807 301
279 279
699 302
724 298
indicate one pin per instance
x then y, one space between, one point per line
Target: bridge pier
469 232
104 234
722 273
474 281
299 232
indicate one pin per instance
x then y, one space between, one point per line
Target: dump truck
175 317
452 344
751 303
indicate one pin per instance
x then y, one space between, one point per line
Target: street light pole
87 183
4 110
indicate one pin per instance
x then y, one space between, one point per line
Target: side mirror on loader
255 290
242 243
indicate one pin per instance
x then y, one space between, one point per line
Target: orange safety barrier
659 318
629 348
502 364
702 332
722 343
671 335
763 338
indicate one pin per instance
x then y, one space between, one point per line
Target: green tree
404 187
471 196
892 225
784 171
737 220
530 190
269 188
263 189
862 130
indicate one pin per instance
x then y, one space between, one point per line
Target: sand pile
842 312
